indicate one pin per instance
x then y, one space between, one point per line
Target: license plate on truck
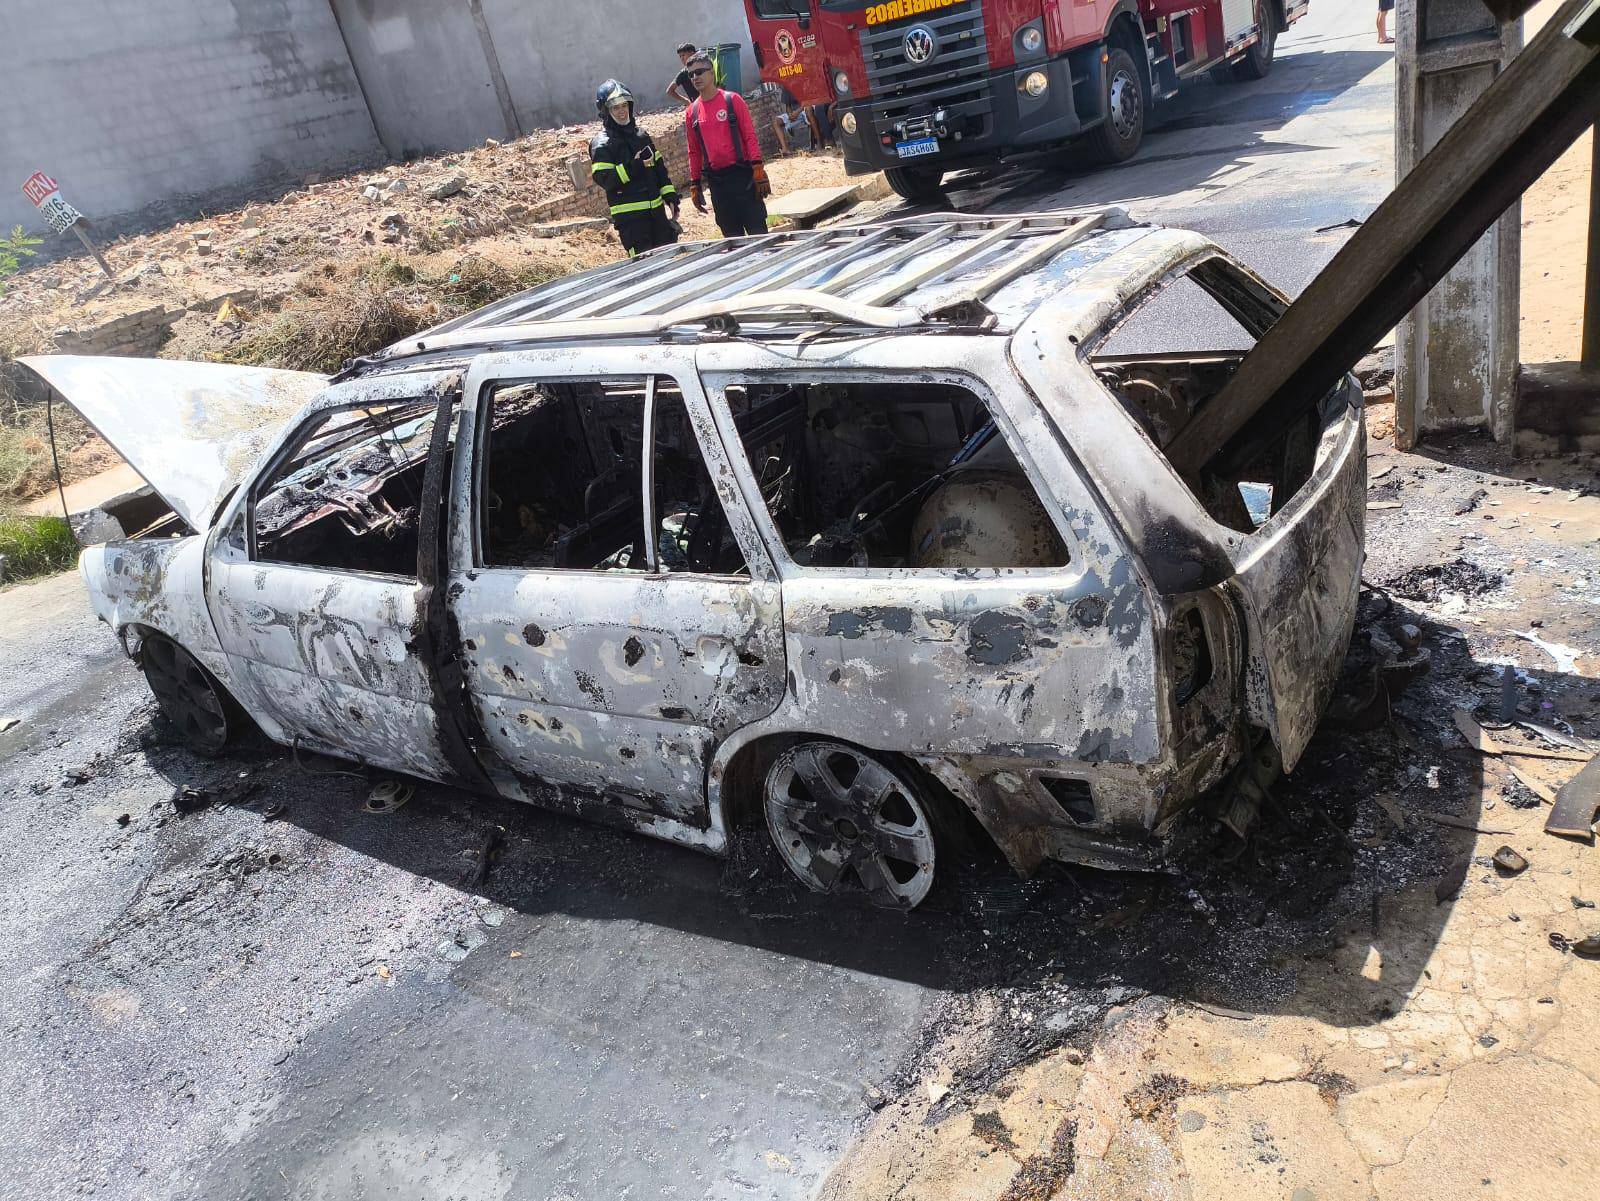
917 148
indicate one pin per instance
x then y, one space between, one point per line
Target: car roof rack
917 272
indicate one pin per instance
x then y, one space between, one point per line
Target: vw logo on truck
920 44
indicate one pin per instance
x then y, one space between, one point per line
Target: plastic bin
730 70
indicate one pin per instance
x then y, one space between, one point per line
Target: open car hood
192 430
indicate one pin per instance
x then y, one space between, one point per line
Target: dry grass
340 313
26 469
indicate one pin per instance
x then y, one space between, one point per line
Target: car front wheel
844 822
188 695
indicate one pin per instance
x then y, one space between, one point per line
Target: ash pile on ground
1431 581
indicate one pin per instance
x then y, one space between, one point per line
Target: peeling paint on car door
331 654
613 684
1052 662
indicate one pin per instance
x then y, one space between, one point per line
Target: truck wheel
1257 60
919 185
1116 138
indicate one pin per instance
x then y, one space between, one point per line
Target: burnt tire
918 185
1124 102
846 822
189 696
1256 61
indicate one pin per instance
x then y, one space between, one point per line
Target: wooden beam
1534 110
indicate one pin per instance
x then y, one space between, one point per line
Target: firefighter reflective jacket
626 163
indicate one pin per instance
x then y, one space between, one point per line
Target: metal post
1591 274
77 228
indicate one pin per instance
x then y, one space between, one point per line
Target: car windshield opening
346 498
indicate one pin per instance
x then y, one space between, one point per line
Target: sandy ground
264 247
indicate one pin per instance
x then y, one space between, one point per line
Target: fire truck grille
959 51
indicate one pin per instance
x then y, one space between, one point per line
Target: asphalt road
332 1005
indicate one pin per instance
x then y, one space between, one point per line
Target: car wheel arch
740 766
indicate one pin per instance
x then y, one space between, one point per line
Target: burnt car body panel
1078 703
325 655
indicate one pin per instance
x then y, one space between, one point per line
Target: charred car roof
939 274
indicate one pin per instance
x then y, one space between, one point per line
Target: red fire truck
926 86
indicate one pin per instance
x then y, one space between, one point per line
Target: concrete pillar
1456 353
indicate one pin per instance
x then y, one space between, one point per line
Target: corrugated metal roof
950 271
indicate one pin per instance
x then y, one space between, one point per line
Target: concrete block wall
441 76
141 333
555 52
135 103
132 102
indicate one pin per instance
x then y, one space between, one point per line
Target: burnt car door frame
332 657
606 693
953 666
1294 582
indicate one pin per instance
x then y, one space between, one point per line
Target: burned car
864 534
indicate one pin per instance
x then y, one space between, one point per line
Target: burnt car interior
888 474
346 495
1173 350
562 476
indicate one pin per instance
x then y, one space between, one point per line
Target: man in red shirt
724 152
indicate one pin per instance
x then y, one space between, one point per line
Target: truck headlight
1035 83
1032 39
848 124
841 83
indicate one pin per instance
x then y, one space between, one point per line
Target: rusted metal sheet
192 430
1576 805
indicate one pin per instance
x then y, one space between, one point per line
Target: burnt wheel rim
1124 104
844 822
188 698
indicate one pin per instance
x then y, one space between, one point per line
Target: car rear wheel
1257 60
1117 138
844 822
919 185
189 696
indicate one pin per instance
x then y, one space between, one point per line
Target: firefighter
723 150
625 162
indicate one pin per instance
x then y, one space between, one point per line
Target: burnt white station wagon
846 532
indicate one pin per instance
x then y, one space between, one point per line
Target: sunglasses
699 71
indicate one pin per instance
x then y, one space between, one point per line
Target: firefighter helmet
611 92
